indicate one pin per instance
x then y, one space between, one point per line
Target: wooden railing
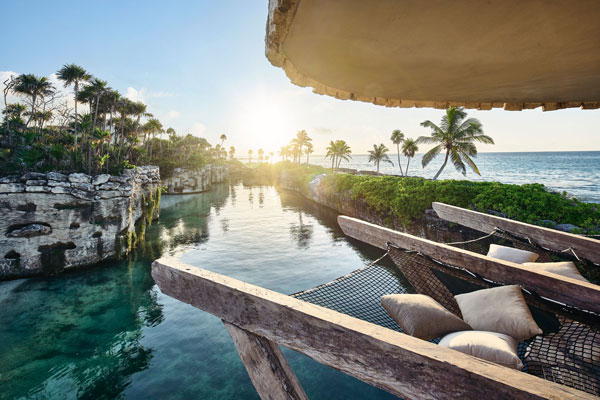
259 320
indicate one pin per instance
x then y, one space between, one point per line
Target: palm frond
457 161
430 155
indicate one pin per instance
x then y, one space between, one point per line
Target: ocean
577 172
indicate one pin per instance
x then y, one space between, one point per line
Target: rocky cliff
51 222
185 181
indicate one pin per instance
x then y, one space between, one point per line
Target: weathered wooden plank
267 367
567 290
398 363
585 247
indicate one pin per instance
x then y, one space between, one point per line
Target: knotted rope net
568 351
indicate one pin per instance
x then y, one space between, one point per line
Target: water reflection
107 332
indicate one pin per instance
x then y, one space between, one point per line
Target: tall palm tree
377 155
300 141
309 150
457 137
99 88
397 139
231 152
261 152
331 152
250 156
409 148
34 87
271 154
283 152
223 138
73 74
153 126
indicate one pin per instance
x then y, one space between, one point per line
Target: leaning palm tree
34 87
409 148
223 138
342 152
377 155
397 139
73 74
457 136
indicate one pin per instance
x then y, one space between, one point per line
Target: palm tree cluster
378 154
43 132
300 145
338 150
409 148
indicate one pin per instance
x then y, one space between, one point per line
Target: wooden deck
259 320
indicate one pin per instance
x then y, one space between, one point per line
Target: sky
200 67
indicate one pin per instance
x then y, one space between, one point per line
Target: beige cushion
491 346
421 316
511 254
501 309
566 268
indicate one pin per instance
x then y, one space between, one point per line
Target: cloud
319 130
144 94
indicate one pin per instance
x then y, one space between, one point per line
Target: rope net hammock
568 351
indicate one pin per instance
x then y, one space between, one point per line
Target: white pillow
421 316
511 254
501 309
565 268
491 346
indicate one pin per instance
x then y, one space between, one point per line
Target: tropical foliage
456 136
398 138
43 131
409 148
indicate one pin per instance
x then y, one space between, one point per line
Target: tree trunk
399 165
332 162
377 166
33 98
443 165
407 164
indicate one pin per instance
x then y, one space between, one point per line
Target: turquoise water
108 332
575 172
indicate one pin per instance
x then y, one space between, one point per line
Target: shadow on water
107 332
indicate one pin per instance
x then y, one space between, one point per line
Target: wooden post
266 365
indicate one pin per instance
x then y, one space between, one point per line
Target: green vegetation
43 132
456 136
407 198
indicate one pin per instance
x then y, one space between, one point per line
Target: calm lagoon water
575 172
108 332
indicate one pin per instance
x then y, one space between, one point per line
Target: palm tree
409 148
397 139
331 153
73 74
309 150
377 155
223 138
299 142
457 136
153 126
99 88
271 153
231 152
261 152
34 87
250 156
283 152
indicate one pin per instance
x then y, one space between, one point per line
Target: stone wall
185 181
51 222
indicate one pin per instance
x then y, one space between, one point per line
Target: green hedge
407 198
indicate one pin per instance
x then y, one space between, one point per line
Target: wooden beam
267 367
566 290
585 247
400 364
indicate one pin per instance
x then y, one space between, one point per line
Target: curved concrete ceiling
480 54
